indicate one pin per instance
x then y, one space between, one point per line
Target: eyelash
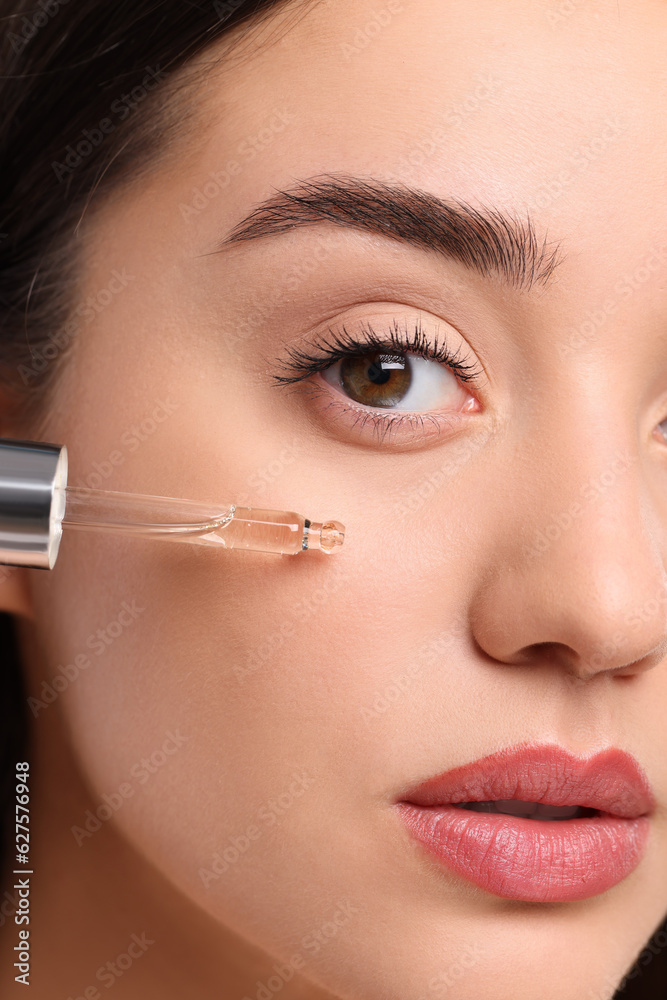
343 344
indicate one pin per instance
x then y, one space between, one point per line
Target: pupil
378 375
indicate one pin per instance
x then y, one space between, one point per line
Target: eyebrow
487 240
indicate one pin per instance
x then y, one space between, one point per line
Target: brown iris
376 379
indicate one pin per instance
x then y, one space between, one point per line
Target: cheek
216 689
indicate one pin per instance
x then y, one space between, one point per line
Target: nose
578 575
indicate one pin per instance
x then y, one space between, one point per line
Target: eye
381 373
396 381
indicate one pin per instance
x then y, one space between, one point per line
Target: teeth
528 810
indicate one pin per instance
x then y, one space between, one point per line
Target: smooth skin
432 638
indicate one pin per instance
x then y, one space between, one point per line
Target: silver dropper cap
33 477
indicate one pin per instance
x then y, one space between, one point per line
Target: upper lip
610 781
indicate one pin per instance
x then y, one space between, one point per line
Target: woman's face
502 579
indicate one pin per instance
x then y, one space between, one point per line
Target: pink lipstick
535 822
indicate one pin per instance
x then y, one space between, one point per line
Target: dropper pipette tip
327 537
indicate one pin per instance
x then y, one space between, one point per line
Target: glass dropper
227 526
36 505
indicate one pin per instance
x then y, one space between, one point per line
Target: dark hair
90 97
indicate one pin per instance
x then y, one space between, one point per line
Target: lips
611 781
545 859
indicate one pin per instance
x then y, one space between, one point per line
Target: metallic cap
33 477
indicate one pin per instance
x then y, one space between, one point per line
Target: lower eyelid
427 425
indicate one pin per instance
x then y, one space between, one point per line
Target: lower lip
542 861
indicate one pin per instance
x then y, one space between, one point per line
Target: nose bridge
581 564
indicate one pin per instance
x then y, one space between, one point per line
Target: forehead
558 108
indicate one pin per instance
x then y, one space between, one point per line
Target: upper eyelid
304 363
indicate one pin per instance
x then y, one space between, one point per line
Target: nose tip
591 604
